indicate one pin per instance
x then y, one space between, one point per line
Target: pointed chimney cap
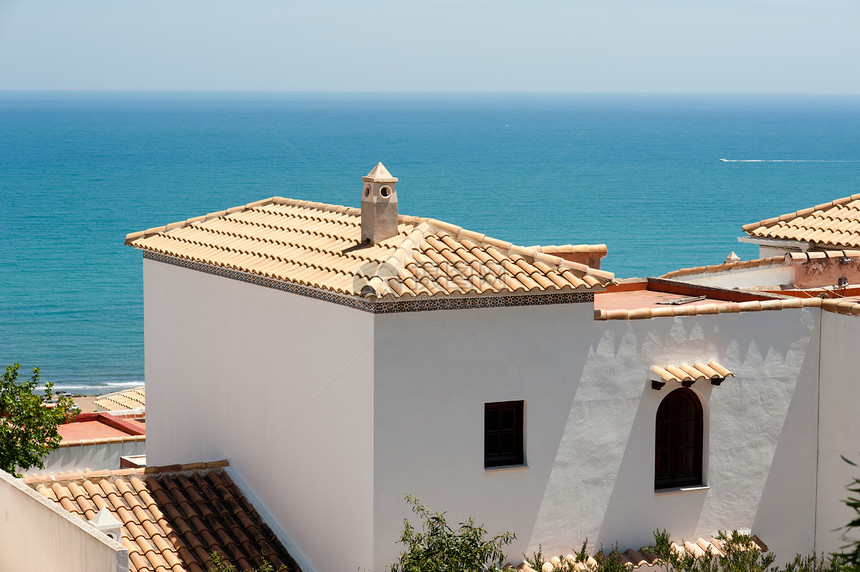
733 257
104 518
379 174
106 523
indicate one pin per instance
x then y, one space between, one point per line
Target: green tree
440 548
850 557
28 430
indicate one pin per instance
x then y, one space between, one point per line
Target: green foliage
219 564
850 557
609 562
536 560
741 555
439 548
815 563
28 431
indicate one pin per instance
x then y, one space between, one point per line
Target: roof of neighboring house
726 266
643 557
638 298
95 428
172 517
835 224
813 269
133 398
319 246
816 280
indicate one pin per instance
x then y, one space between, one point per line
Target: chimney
378 205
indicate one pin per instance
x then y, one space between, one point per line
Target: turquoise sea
641 173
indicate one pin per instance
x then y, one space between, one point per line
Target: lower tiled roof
642 557
173 517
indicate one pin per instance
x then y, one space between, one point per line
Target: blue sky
680 46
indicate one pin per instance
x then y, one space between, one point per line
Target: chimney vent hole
385 192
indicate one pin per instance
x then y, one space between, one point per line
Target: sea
665 181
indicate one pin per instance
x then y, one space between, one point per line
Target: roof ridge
113 473
579 248
534 252
731 308
756 262
397 260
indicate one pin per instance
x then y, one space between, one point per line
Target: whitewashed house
343 357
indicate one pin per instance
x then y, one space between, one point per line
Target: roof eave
776 243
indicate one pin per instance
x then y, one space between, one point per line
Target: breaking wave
94 388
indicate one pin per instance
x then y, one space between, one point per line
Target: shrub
218 564
438 547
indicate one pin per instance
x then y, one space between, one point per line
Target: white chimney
378 205
108 524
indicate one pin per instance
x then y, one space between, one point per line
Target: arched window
678 449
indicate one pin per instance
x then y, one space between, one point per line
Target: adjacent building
830 226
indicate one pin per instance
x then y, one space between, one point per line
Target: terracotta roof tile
642 557
835 224
688 374
172 518
733 307
726 266
317 245
128 399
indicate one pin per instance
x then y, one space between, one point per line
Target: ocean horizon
665 181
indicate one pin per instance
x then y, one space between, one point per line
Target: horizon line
425 92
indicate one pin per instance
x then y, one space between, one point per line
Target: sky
573 46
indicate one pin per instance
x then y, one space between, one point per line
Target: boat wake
788 161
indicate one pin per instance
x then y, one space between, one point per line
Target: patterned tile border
373 307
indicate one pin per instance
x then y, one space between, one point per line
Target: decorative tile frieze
378 306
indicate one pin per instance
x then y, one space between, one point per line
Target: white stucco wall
37 534
590 416
744 277
839 427
768 251
104 454
281 385
434 372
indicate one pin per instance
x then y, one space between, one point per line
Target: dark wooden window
503 433
678 449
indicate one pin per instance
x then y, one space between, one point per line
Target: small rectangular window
503 434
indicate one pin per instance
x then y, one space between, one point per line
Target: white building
340 367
